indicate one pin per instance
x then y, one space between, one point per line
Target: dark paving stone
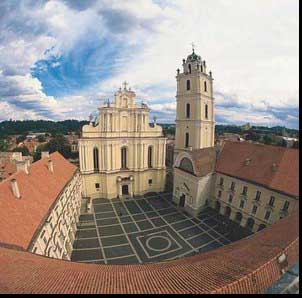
103 208
130 227
86 234
104 215
158 222
152 214
204 227
126 219
183 224
107 221
120 209
150 194
86 225
158 203
171 218
190 232
223 240
118 251
126 260
110 230
100 201
139 216
167 211
210 222
214 234
98 262
144 205
86 217
200 240
210 246
115 240
132 207
86 243
144 225
195 220
91 254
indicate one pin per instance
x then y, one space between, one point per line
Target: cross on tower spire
193 46
125 85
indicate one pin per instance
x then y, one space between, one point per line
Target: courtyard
148 229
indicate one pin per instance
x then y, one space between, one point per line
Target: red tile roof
246 266
231 161
20 218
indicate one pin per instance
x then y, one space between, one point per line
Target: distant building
246 126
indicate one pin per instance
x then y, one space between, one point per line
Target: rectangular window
187 140
241 204
254 210
258 194
285 206
97 185
221 181
267 215
230 198
232 185
244 190
219 194
272 201
150 181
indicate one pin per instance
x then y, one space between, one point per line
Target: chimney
17 156
247 161
15 188
50 165
22 166
44 154
274 167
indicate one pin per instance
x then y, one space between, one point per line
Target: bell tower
194 105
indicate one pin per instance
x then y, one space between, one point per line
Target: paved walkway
148 229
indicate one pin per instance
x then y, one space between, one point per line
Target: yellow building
121 154
254 185
195 106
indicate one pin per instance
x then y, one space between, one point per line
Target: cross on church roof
125 85
193 46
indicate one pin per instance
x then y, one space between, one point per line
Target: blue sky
60 59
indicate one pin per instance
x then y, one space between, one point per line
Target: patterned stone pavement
148 229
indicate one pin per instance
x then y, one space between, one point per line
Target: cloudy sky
60 59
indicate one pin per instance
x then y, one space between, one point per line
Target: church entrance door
182 200
125 190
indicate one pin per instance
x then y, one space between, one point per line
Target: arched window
187 140
188 110
96 159
205 86
188 85
186 165
124 158
150 157
206 112
190 68
201 69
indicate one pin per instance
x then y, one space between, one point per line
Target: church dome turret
193 57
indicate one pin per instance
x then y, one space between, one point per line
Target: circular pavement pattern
158 243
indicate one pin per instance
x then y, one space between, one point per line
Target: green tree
296 145
282 143
268 140
23 149
3 145
20 139
41 139
59 143
37 153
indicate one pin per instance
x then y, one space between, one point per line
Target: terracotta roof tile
19 218
246 266
285 177
204 161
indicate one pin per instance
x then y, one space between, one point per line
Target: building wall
56 236
249 201
121 124
196 189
